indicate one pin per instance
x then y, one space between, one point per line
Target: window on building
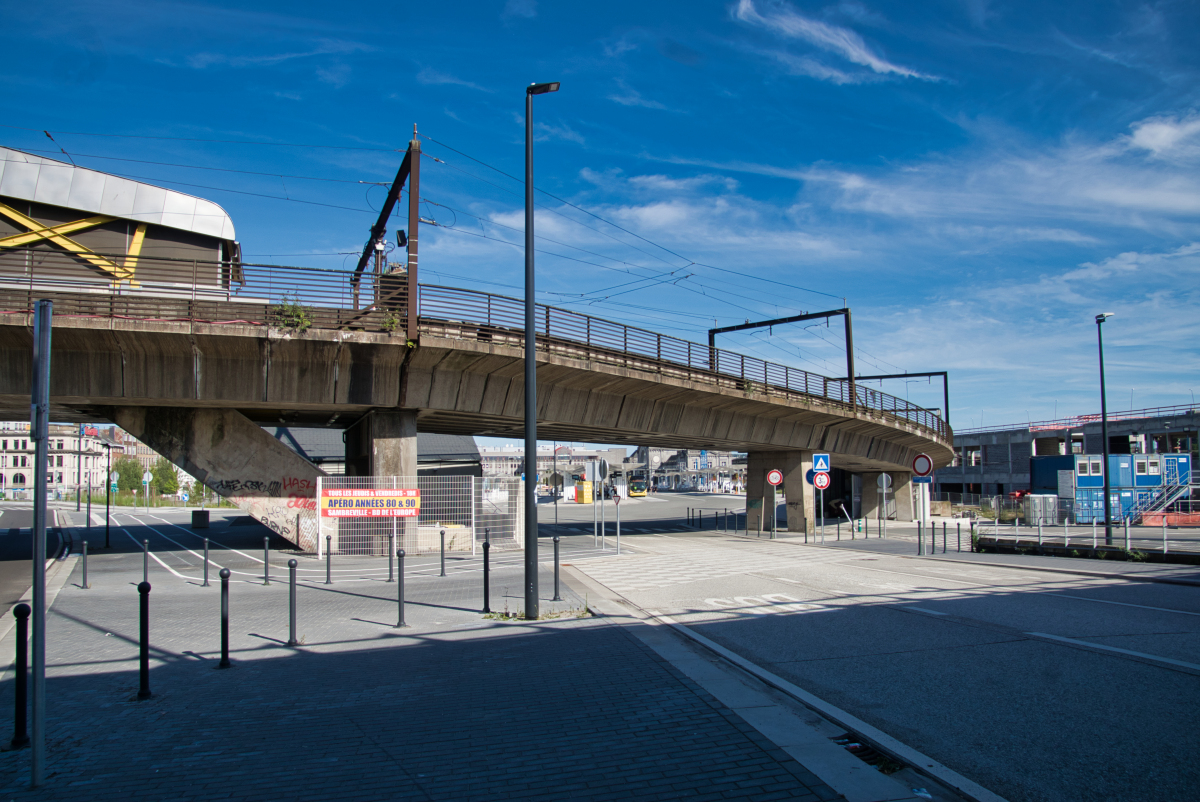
18 479
60 445
24 462
1153 466
1139 467
1096 468
973 455
5 442
60 460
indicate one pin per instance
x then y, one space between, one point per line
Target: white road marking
1123 604
923 610
1143 655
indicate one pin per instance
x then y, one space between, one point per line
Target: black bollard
391 551
400 588
329 559
224 619
145 560
266 560
557 597
443 553
85 582
487 606
144 647
943 537
292 603
920 538
958 526
20 739
205 584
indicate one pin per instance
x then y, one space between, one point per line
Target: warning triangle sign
821 462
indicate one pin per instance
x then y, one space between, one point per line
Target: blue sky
978 179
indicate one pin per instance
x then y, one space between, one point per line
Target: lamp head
1100 318
541 89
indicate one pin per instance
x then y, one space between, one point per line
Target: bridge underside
453 384
455 380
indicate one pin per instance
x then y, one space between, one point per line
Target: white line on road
923 610
1142 655
1123 604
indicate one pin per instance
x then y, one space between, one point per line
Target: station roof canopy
35 178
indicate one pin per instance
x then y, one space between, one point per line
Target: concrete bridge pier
234 456
800 498
383 443
900 492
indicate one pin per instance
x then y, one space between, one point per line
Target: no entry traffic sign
922 465
775 478
820 480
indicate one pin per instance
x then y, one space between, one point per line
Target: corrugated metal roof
41 180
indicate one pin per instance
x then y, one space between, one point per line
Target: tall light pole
1104 428
531 525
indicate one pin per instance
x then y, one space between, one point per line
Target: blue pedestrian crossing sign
821 463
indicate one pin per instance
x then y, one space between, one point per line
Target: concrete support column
758 492
793 464
234 456
383 444
902 486
801 507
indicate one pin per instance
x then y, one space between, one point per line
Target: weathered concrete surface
800 503
457 380
383 443
900 492
236 458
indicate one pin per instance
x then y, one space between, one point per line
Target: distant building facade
996 460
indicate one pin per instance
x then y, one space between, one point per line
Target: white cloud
202 61
336 76
546 131
1168 137
831 38
520 8
433 77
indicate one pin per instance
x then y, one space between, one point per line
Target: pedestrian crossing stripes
676 562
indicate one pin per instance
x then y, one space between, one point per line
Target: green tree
166 481
129 474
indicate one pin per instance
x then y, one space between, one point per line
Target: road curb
1074 571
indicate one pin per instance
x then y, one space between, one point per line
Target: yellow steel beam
52 235
135 250
44 232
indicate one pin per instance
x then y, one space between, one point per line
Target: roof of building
325 445
42 180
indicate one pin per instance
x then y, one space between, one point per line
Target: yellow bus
637 487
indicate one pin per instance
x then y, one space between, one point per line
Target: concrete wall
236 458
799 509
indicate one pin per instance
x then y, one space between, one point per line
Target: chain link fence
369 515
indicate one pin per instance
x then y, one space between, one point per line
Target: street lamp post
1104 429
531 527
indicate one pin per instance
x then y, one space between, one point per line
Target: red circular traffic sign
820 480
775 477
922 465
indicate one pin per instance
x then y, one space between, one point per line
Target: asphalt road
16 549
1039 686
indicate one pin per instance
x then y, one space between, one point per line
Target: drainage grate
866 753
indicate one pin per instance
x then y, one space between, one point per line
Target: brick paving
456 707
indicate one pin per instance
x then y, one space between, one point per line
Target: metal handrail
302 297
490 315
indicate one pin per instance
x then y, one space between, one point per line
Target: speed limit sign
775 478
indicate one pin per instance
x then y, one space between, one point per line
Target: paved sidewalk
456 707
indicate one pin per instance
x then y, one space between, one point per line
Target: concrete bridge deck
298 347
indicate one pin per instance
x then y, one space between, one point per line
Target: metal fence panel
468 509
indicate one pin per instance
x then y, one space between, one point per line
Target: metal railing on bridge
298 298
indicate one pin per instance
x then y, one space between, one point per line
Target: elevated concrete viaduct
160 326
197 391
